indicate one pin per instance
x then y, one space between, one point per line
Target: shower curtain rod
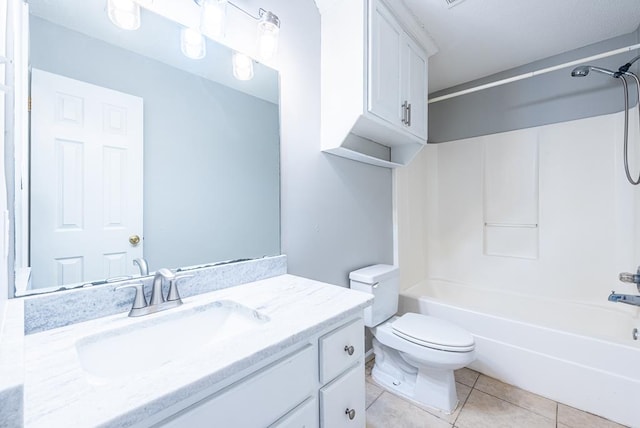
535 73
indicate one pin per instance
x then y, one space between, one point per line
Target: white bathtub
579 354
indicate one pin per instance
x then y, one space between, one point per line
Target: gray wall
336 213
550 98
211 154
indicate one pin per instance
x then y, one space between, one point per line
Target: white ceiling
477 38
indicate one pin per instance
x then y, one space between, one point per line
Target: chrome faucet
157 297
142 265
624 298
629 299
157 302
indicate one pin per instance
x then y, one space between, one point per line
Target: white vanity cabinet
318 384
342 398
259 399
374 65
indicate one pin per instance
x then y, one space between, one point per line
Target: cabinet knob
351 413
349 350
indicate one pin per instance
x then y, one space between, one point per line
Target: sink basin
152 343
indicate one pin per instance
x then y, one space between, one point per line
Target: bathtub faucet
624 298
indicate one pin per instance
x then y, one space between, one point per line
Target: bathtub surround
510 198
48 311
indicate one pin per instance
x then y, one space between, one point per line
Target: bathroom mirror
209 168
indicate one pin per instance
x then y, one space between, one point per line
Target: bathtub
576 353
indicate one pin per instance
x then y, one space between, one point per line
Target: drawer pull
351 413
349 349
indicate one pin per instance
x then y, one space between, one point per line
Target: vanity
283 351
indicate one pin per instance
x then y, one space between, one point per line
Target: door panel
416 88
86 180
384 65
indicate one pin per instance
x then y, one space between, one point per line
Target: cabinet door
415 85
303 416
256 401
342 401
340 349
385 87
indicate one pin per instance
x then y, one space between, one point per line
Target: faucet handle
139 301
173 288
165 273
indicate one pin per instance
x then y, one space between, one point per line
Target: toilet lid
433 333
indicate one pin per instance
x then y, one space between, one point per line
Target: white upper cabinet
386 68
415 88
397 74
374 81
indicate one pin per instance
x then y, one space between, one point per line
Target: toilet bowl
415 355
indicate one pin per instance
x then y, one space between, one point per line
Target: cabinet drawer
344 395
258 400
303 416
340 349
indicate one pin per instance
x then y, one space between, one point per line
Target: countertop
59 393
11 364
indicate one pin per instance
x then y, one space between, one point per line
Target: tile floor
486 403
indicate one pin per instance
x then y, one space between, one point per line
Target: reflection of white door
86 180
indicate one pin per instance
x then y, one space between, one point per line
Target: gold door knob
134 239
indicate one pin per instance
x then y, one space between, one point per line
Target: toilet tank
383 282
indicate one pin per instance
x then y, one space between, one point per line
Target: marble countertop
11 364
58 392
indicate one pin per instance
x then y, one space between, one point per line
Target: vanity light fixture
268 31
192 43
124 13
213 17
242 66
212 23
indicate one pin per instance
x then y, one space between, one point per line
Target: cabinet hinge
29 104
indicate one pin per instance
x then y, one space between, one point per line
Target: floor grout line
519 406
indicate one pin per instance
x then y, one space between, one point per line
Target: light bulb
192 43
124 14
212 18
242 66
268 31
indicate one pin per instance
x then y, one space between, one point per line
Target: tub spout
624 298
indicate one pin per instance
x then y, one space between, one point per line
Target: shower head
583 70
580 71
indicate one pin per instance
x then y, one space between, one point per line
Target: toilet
415 355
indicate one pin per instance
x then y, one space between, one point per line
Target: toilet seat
433 333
